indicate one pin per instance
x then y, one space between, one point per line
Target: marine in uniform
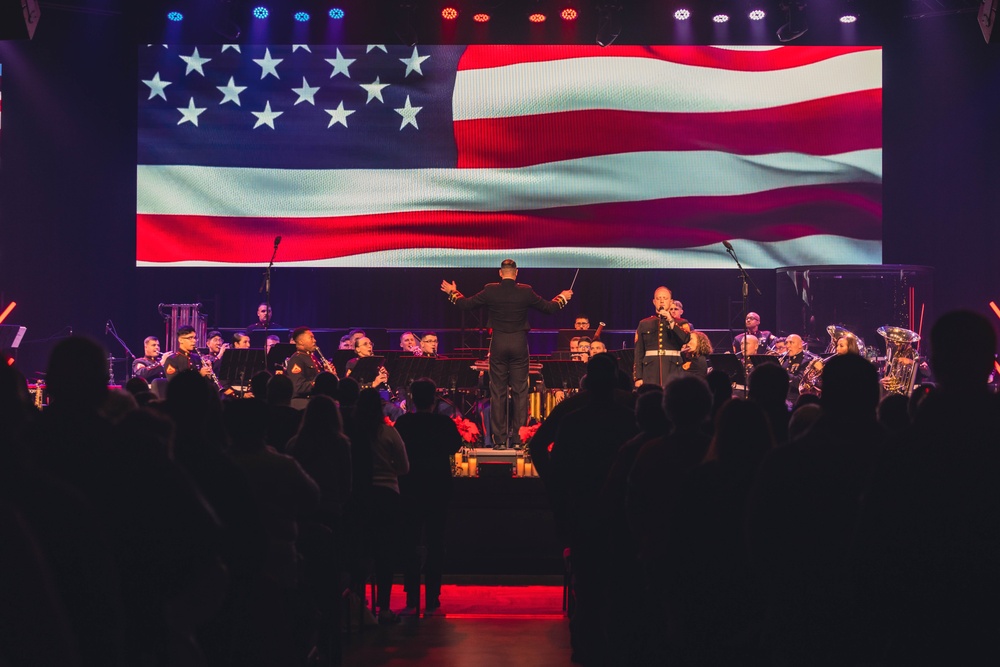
658 342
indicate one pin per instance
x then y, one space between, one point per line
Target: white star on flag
266 117
306 93
194 62
231 92
409 114
375 90
340 65
268 65
190 114
235 47
413 63
338 115
372 47
296 47
156 86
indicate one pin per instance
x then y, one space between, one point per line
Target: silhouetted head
769 384
601 374
78 374
423 393
687 401
742 433
850 386
280 390
327 384
963 347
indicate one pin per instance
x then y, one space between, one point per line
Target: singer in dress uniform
507 302
658 342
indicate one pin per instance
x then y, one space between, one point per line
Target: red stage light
568 14
481 17
536 17
449 13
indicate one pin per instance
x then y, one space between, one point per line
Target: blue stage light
175 16
301 17
337 13
261 12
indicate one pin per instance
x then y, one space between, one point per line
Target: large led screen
562 156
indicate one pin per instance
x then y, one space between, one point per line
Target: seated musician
303 366
597 347
264 319
581 323
363 348
241 341
796 361
216 348
186 357
582 350
149 366
676 310
764 338
408 343
429 344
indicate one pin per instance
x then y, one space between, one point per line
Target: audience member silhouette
769 389
282 419
431 441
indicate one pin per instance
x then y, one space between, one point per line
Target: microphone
729 246
107 327
277 240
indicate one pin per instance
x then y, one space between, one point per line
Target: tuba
900 359
812 377
836 333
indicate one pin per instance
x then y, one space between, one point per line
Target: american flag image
568 156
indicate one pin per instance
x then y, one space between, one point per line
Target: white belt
663 353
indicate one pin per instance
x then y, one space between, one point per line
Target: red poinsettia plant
528 432
467 429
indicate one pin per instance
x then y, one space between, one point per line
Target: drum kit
897 369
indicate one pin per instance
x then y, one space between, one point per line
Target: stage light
796 25
301 17
536 12
537 17
682 14
609 22
175 16
720 18
260 12
756 15
336 13
481 17
849 18
449 13
568 14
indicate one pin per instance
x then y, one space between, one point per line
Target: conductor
507 302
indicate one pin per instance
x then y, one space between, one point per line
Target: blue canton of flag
297 107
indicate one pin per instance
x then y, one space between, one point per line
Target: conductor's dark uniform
508 303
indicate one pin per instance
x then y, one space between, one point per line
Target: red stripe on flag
476 57
827 126
852 211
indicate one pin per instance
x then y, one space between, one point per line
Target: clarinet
205 363
327 366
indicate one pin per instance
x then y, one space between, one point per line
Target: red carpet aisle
482 626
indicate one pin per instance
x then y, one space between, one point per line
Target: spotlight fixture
336 13
302 17
796 25
481 17
569 10
175 16
682 14
849 18
609 22
261 12
568 14
536 12
721 17
756 14
449 13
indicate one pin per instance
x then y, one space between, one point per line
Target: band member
363 348
658 342
597 347
796 361
749 346
264 321
582 323
695 354
507 303
216 348
429 344
270 342
345 343
408 343
677 310
303 366
185 357
582 350
766 338
149 367
241 341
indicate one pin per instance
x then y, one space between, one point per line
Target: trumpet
327 366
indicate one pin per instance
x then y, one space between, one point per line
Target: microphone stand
266 285
747 280
110 329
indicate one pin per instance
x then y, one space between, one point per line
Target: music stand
339 359
454 374
411 368
277 355
730 364
565 335
258 337
366 370
563 374
626 360
760 359
238 366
